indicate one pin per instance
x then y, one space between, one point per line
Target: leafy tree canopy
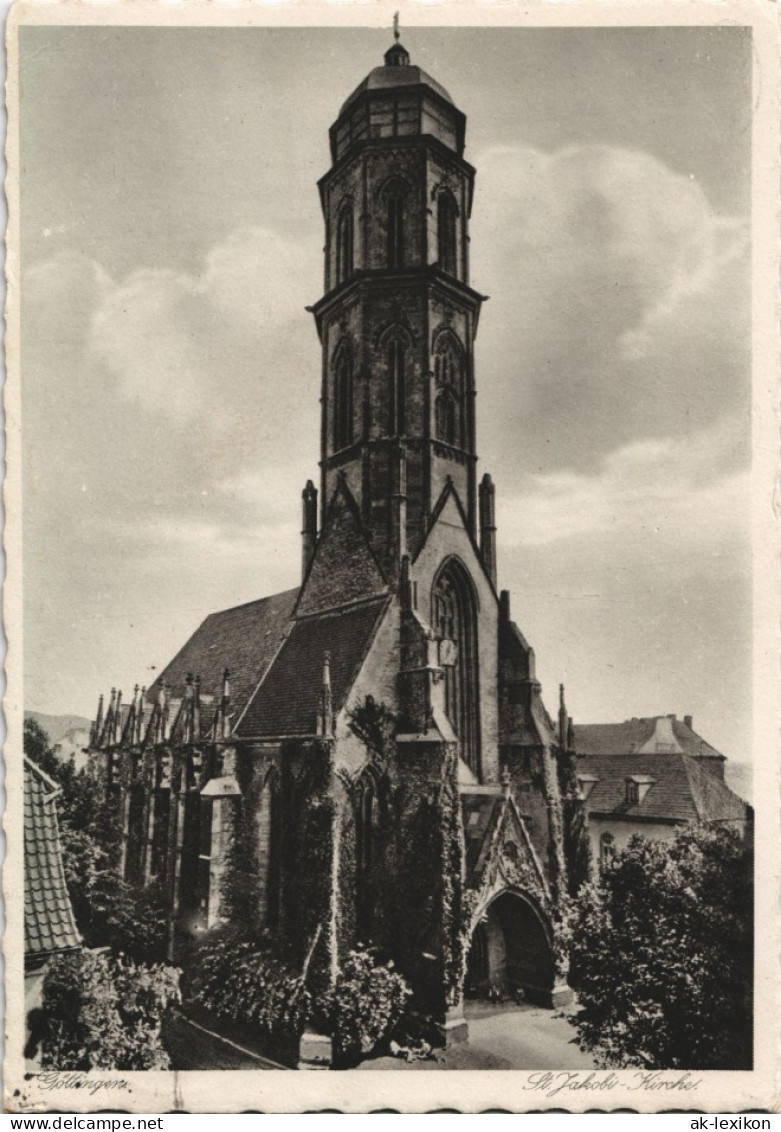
661 954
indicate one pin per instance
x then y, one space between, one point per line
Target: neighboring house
380 748
49 925
651 776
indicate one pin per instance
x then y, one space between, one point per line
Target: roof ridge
334 610
254 601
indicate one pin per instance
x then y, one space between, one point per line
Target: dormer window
586 783
637 787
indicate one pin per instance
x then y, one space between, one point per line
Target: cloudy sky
171 238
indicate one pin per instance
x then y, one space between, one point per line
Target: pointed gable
344 568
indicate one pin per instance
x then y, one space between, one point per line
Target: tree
105 1013
661 954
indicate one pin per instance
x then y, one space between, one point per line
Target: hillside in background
68 734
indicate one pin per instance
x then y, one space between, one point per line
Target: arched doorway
510 952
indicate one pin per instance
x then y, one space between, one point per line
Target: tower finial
396 32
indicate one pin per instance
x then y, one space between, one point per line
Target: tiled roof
684 789
243 639
49 925
624 738
288 700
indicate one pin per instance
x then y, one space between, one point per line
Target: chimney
688 721
488 526
309 529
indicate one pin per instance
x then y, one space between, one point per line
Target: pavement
505 1037
191 1046
500 1037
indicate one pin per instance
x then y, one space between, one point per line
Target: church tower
398 318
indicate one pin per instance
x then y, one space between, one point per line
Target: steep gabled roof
243 639
49 924
633 734
289 698
684 789
344 567
613 738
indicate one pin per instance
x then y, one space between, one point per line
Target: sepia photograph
384 436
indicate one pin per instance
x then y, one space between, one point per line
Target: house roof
289 698
634 734
684 789
49 924
243 639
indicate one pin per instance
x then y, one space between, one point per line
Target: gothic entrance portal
510 956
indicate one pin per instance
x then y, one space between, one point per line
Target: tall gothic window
344 244
455 619
270 850
447 213
394 202
343 387
397 387
449 379
367 830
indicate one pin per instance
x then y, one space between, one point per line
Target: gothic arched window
367 831
343 389
455 619
397 387
344 244
395 193
449 378
447 213
269 849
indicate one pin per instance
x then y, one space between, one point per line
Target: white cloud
651 496
618 301
190 345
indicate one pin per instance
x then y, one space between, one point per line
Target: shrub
661 953
105 1013
243 980
368 1000
141 931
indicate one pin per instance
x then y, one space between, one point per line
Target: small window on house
607 850
637 788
